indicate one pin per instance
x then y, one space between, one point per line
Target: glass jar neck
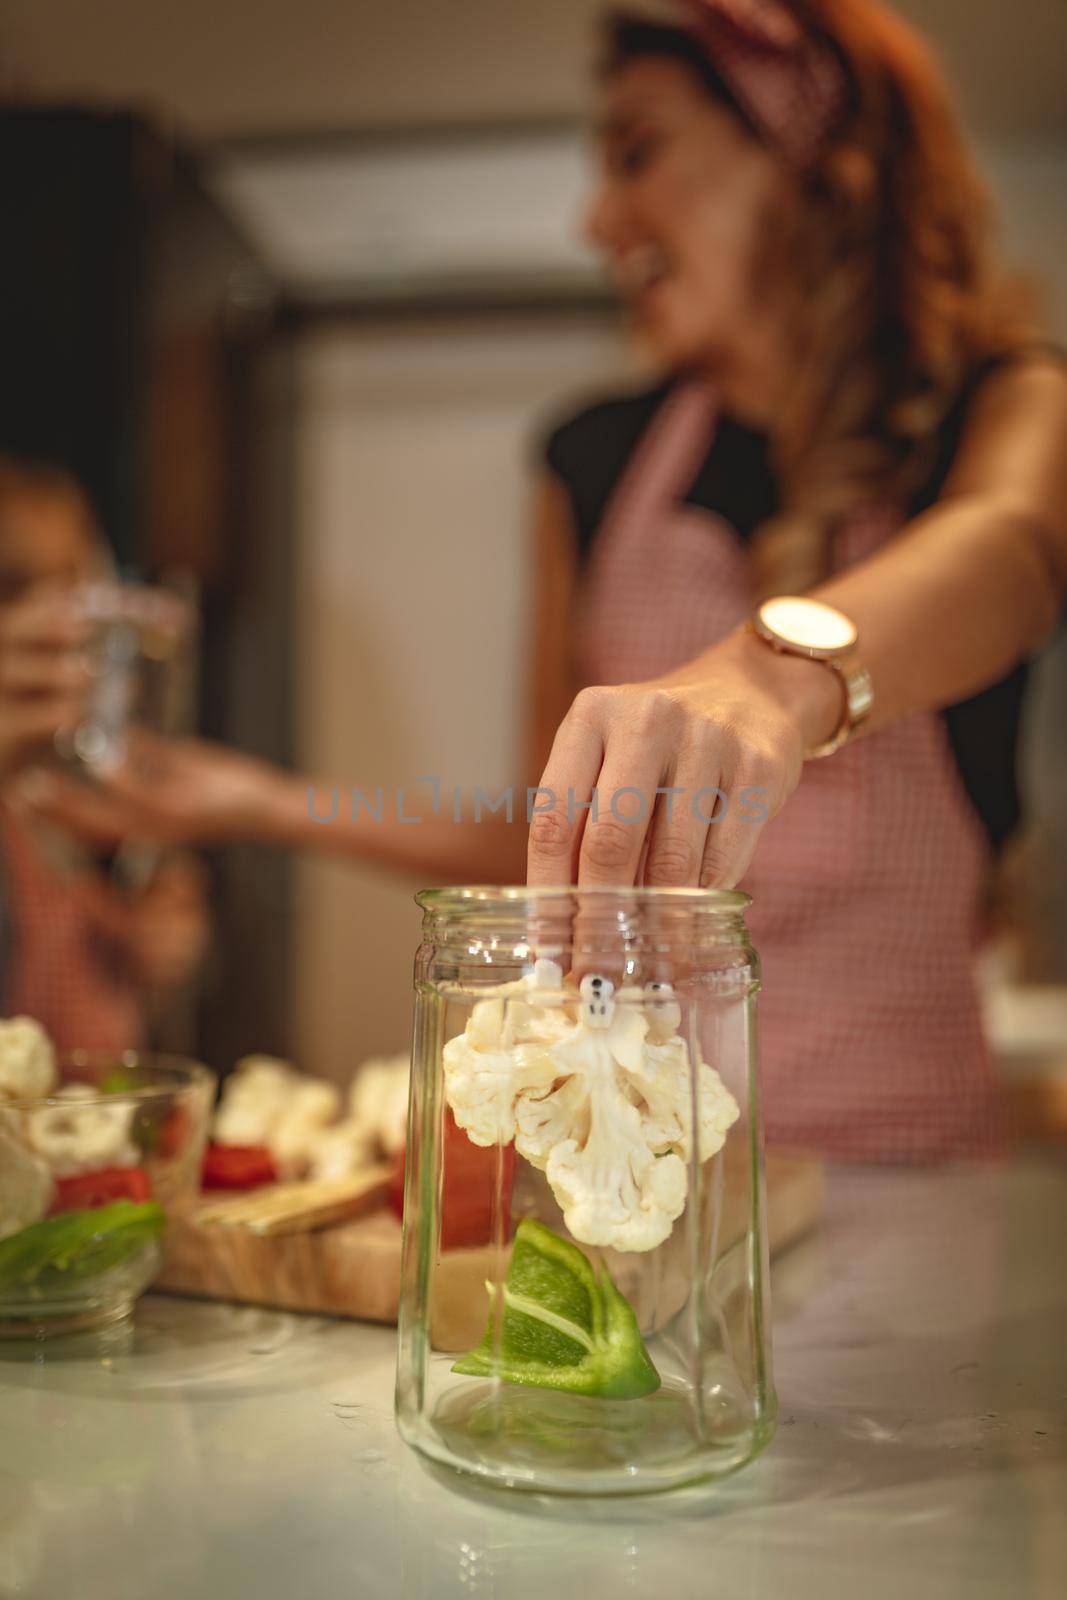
582 925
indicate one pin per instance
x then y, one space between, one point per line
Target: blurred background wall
406 183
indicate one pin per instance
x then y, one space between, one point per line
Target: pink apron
866 885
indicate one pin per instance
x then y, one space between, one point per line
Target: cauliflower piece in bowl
27 1060
79 1132
26 1186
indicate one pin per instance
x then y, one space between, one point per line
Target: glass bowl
89 1175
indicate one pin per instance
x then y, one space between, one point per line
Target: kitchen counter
226 1453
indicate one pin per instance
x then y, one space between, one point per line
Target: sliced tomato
470 1178
87 1190
237 1166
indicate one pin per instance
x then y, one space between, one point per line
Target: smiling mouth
640 271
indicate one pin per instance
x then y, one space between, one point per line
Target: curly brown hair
894 290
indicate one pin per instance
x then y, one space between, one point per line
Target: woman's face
683 192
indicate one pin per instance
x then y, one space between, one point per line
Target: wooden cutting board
352 1269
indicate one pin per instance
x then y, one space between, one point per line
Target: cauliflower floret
254 1099
82 1133
339 1151
663 1013
595 1145
601 1103
378 1099
544 1121
312 1106
661 1075
503 1055
25 1183
718 1113
27 1060
499 1055
627 1198
268 1102
662 1083
486 1084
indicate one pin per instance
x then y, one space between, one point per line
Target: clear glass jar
139 666
584 1297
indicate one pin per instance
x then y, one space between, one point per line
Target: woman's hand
43 681
687 769
168 791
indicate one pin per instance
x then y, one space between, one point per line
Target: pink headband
790 83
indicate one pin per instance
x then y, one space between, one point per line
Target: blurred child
84 958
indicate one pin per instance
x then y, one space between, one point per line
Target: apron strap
667 456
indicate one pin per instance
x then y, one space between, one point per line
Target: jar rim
449 898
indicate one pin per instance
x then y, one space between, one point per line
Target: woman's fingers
25 724
567 782
44 620
86 811
729 845
602 787
731 760
707 823
615 831
34 672
680 826
725 792
115 807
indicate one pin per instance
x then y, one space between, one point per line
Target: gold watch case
799 626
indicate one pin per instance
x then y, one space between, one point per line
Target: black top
736 481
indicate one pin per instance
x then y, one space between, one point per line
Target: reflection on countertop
922 1369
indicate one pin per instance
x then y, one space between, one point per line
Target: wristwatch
797 626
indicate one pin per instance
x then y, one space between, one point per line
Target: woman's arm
195 791
975 584
964 592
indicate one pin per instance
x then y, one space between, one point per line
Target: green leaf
78 1244
120 1080
562 1325
148 1118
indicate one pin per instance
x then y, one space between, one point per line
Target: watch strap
857 697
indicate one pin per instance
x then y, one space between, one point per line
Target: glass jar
139 670
584 1286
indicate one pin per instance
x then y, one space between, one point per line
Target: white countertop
921 1349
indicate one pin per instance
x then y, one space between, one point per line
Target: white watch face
807 624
